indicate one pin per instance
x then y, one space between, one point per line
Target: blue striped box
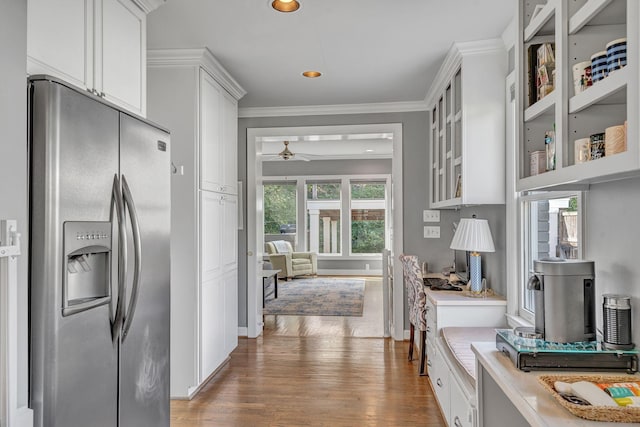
616 54
599 66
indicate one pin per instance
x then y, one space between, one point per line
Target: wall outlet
431 215
432 232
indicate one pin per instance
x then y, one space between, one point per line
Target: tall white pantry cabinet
190 93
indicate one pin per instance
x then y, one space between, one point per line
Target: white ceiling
369 51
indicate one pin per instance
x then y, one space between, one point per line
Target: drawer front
439 378
461 410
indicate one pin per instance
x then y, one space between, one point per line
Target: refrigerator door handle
117 200
137 245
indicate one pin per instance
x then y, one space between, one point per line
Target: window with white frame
324 208
368 216
551 227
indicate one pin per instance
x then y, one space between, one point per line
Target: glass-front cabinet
466 119
578 87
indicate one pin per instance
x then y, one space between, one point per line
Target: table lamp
473 235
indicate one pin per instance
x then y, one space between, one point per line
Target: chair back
416 296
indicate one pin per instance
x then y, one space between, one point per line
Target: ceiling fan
287 154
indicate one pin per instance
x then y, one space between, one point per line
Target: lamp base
475 273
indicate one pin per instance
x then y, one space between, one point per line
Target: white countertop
535 403
459 298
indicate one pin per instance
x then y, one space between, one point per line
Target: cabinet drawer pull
439 382
456 422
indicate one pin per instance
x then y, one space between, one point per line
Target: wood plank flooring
309 372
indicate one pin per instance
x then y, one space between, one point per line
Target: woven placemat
622 414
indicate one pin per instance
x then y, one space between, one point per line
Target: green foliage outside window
367 191
279 206
367 237
323 191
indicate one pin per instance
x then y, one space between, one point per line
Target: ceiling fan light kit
286 154
285 6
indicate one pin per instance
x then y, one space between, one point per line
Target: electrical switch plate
431 216
432 232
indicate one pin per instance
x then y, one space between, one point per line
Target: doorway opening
335 200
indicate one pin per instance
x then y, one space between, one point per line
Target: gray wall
612 236
13 151
415 177
326 167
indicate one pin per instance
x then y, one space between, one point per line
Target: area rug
317 297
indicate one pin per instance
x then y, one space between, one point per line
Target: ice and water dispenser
87 266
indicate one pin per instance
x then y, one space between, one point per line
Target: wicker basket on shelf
620 414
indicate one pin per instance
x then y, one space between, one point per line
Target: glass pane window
280 210
368 203
552 229
323 217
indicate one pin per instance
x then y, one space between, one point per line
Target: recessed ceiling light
312 74
368 150
285 5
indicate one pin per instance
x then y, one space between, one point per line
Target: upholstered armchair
291 263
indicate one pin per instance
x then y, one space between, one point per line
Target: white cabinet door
212 331
229 237
210 133
230 143
211 221
98 45
120 65
439 378
231 311
60 40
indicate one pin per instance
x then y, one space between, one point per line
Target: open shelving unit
579 29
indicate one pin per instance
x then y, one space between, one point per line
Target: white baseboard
192 391
243 331
406 334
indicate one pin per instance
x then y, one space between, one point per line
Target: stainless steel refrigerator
99 262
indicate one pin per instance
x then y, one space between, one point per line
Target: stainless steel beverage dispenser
564 298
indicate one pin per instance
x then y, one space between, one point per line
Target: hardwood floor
313 372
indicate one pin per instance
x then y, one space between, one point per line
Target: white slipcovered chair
290 263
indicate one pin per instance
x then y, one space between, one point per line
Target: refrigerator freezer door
144 354
74 157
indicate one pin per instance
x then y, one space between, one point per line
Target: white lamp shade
474 235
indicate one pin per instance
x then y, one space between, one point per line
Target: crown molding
197 57
324 110
149 5
453 60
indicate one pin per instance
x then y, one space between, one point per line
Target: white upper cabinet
121 67
210 133
578 30
98 45
466 126
229 147
218 137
